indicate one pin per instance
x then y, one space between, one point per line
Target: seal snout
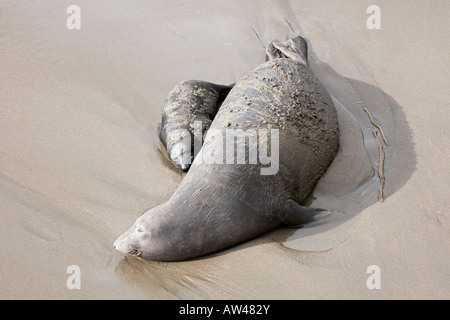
184 167
180 154
124 245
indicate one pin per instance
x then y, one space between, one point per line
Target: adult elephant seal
219 205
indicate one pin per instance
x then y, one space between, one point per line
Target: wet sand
80 157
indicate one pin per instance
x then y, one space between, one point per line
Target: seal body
221 204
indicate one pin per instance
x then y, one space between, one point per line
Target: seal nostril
134 251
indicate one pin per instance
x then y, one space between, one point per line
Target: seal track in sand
377 125
380 166
381 152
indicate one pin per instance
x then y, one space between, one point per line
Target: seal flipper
295 48
296 215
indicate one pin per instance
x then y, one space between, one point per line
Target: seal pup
219 205
189 101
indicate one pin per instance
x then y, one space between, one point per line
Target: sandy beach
80 158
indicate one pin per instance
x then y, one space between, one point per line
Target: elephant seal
188 102
219 204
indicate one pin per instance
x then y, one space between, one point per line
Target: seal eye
181 138
140 230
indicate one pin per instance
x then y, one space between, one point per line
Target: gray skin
220 205
188 102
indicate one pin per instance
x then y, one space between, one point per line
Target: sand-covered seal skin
189 101
220 205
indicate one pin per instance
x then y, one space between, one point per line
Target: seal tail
295 48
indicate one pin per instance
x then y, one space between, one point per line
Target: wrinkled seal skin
218 206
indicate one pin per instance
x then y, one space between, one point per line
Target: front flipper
295 215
